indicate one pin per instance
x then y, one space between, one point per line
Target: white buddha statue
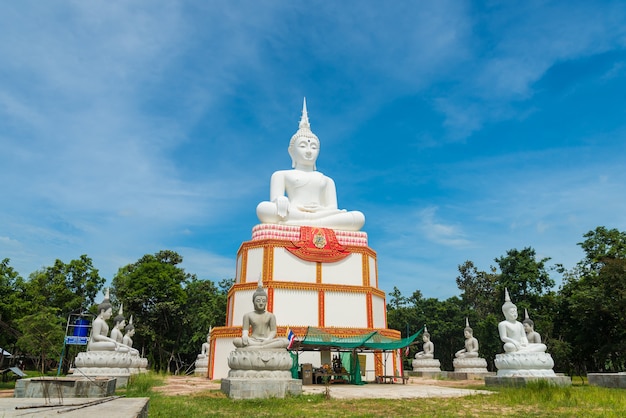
304 196
512 331
428 349
471 343
99 339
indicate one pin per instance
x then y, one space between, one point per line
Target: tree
525 277
601 244
478 288
592 308
205 307
71 287
12 303
42 335
153 291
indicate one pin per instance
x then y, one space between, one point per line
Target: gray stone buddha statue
99 339
259 326
529 327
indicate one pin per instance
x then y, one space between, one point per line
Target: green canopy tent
317 339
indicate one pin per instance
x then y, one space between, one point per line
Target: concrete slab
74 407
468 376
64 387
607 380
236 388
378 391
521 381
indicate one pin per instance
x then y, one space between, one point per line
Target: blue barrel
81 327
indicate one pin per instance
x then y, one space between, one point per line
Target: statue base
109 364
428 365
471 365
201 367
607 380
64 387
239 388
524 364
521 381
255 363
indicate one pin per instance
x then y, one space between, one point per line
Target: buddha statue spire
304 119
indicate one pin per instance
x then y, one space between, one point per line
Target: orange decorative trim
365 268
229 303
320 309
244 267
319 245
268 264
270 299
368 304
211 358
232 332
375 271
276 243
318 287
318 273
378 363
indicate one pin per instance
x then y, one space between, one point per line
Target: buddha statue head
468 331
120 319
508 308
259 297
105 308
304 145
528 323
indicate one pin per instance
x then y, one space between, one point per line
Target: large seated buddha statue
106 356
512 331
520 357
303 196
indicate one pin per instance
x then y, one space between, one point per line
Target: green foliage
525 277
601 244
12 303
152 290
592 304
205 307
71 288
42 335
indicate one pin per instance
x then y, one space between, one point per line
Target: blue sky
461 129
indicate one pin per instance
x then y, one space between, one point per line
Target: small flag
291 337
406 351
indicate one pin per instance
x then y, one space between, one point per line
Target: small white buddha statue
428 349
471 343
304 196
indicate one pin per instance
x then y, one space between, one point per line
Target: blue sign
74 340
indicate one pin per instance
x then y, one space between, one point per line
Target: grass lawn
539 400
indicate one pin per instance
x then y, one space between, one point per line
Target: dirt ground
186 385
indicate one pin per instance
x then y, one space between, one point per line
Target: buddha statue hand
282 206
